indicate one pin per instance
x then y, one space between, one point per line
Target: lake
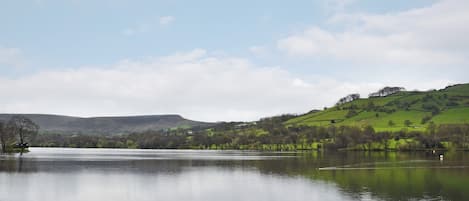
125 174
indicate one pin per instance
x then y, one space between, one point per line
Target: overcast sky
214 60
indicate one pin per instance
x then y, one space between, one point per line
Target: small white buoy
441 157
433 151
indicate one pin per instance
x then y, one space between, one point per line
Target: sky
214 60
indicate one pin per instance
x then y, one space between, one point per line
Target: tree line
271 134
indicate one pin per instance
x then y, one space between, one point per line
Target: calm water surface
119 174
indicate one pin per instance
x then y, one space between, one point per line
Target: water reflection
91 174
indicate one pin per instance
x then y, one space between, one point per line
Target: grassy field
446 106
453 115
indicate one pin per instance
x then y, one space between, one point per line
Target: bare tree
24 128
5 136
2 135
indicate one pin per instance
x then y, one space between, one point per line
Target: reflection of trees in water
25 165
59 166
17 164
391 183
8 165
402 184
20 162
388 184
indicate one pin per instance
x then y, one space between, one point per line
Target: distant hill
388 113
106 125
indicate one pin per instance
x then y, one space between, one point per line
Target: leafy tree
351 113
431 128
386 91
426 118
368 136
391 123
347 99
370 106
407 123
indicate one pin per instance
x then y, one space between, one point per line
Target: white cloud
38 2
128 32
147 27
195 84
337 5
10 57
434 35
165 20
140 28
258 50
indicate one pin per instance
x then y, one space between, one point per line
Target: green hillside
389 113
69 125
432 120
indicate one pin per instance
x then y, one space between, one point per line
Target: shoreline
263 150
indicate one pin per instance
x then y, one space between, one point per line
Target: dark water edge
232 175
289 148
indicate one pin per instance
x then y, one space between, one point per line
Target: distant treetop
349 98
386 91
